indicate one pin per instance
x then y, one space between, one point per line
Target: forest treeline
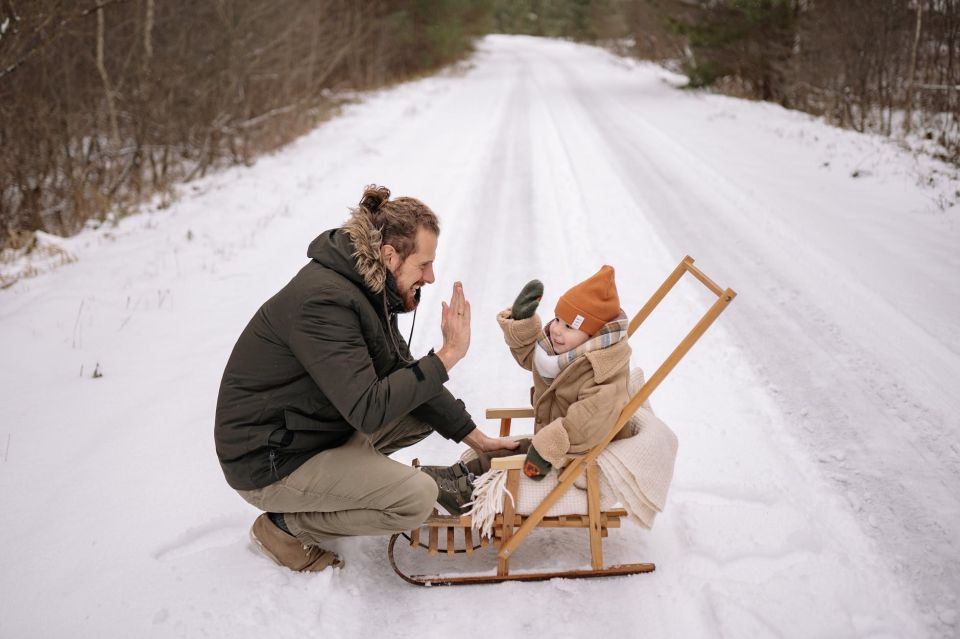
106 102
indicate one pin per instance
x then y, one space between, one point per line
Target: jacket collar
354 251
367 240
608 361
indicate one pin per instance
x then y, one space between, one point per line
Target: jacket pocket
292 420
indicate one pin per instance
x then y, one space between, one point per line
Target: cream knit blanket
639 469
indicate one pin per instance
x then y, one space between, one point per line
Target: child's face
563 337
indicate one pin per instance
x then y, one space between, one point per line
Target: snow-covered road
816 491
849 313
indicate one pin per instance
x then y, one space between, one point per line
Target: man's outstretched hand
455 327
481 443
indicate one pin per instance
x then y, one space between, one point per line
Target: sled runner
511 529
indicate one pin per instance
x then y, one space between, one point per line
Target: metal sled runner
510 529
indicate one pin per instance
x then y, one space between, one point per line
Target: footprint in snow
221 533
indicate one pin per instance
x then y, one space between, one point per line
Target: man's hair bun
374 196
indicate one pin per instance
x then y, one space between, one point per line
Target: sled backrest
724 297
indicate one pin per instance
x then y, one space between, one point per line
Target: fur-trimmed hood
353 250
366 240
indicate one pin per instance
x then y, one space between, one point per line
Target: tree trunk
913 67
102 68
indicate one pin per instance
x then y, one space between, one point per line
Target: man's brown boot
287 550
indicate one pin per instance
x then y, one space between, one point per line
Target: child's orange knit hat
591 303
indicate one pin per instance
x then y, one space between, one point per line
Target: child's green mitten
534 466
527 301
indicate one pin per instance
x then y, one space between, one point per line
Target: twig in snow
76 326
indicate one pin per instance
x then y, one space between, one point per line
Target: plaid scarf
549 364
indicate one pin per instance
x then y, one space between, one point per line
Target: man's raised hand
455 327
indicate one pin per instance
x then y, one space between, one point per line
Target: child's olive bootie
534 466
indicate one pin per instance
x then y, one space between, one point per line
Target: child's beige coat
573 413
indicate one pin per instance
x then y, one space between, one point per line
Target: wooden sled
510 529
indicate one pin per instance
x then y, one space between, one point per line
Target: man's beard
411 299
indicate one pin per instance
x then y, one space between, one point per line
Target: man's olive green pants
354 489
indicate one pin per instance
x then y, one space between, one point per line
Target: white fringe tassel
488 491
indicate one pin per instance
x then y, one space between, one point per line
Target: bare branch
58 30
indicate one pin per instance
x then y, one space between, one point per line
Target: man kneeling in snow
321 387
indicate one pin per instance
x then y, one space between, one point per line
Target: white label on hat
577 322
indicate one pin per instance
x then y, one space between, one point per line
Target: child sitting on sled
581 365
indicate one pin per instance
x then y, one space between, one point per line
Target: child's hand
534 466
527 301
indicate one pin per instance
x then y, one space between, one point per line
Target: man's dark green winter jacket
323 359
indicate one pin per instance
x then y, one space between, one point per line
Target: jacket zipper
273 462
